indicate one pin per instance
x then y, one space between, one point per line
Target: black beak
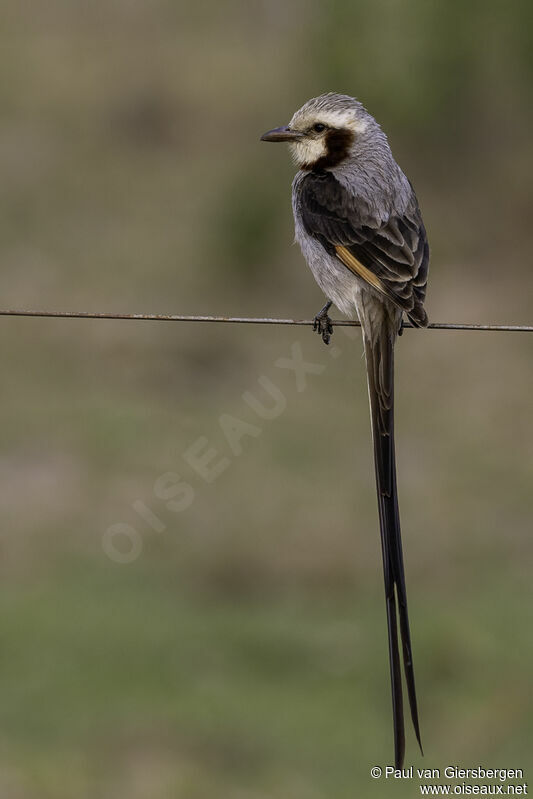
281 134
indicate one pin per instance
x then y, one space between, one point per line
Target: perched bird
360 230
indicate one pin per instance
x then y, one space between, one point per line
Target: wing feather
392 256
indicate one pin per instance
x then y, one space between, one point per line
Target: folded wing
392 256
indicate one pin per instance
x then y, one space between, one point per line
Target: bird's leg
322 323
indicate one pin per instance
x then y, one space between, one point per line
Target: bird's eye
319 127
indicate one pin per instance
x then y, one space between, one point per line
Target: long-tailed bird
360 230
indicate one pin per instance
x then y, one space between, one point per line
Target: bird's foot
322 323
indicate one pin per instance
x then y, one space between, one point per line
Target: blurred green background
231 641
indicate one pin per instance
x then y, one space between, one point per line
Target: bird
360 229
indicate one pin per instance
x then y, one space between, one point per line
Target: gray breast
335 280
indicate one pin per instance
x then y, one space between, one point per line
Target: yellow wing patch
355 266
358 269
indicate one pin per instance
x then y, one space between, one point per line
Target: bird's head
323 132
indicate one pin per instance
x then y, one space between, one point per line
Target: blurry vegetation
428 63
245 224
243 654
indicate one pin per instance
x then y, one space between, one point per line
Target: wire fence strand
244 320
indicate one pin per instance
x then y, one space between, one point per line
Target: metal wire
243 320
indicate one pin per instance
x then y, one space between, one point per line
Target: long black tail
379 351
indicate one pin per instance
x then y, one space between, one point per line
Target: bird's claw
322 323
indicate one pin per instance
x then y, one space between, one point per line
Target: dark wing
391 256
